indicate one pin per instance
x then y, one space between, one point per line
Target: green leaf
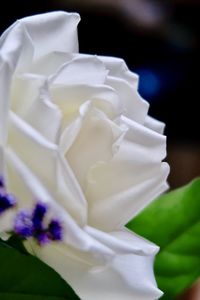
173 223
15 242
24 277
18 296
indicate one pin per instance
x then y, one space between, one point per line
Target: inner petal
93 143
82 69
69 98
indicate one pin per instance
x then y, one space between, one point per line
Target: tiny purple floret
6 201
55 230
23 224
30 223
2 183
38 215
43 238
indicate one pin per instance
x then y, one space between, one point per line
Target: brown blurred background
159 40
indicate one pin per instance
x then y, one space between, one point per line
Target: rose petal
69 192
46 111
1 160
118 69
61 27
133 178
82 69
30 98
25 140
127 276
134 106
125 84
94 142
24 39
45 164
69 98
6 221
123 241
50 63
16 51
5 80
74 235
154 124
25 89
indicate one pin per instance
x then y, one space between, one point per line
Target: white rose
75 134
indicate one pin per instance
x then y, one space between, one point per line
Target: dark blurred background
159 40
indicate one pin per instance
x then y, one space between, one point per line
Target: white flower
74 133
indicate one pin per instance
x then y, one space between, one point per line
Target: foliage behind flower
75 134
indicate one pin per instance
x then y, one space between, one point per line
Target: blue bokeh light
149 83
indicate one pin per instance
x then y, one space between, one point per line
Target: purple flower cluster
7 200
31 224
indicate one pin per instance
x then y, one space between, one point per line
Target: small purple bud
23 224
38 215
12 200
6 201
42 238
55 230
2 183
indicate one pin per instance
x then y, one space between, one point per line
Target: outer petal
59 27
15 44
74 236
30 99
154 124
82 69
5 81
44 159
118 68
128 276
2 161
134 176
125 83
28 39
6 222
50 63
123 241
